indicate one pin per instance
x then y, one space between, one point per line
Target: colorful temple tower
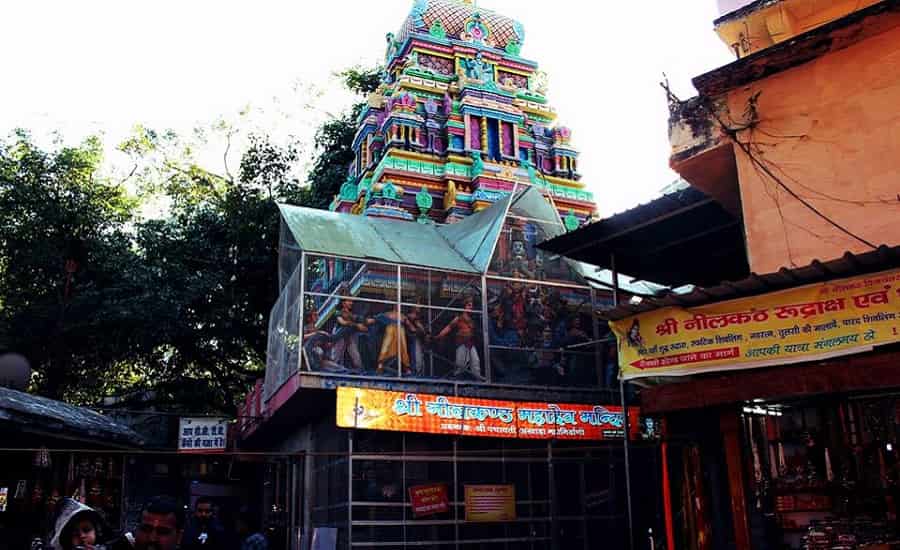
422 339
458 121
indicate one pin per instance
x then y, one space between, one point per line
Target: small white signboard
202 434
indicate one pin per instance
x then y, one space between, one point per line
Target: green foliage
178 306
214 261
333 143
68 272
360 80
175 307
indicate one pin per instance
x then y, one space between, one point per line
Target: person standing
204 532
250 532
161 524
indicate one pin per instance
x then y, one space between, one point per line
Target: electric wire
732 132
747 151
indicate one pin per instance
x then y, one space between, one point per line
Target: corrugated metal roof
474 236
464 246
603 278
323 232
24 410
684 237
849 265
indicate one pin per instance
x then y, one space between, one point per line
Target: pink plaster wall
830 130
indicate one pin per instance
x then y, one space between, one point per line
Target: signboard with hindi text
490 502
428 500
807 323
197 434
438 414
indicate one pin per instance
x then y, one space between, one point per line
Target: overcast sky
96 66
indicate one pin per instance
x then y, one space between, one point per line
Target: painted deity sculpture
519 265
477 164
463 327
417 336
440 99
317 344
478 69
393 343
450 195
347 332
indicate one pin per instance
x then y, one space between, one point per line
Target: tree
215 265
68 273
217 252
103 302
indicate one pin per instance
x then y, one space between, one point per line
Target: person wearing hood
78 526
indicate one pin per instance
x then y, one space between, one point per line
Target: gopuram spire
459 111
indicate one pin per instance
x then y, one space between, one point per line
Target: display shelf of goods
799 503
804 490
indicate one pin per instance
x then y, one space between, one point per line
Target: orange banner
536 421
437 414
490 502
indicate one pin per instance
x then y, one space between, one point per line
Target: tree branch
130 174
225 156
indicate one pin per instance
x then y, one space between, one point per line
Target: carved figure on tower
478 69
463 328
455 85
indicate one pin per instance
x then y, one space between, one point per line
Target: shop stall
780 407
53 450
824 472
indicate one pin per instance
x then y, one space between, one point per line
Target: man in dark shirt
250 531
204 532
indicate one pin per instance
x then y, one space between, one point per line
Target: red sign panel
428 500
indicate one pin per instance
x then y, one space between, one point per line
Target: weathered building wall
759 25
830 131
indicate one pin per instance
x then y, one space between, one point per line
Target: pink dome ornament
476 31
408 101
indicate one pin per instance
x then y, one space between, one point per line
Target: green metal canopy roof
474 236
464 246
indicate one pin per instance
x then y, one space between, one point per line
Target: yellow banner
791 326
490 502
